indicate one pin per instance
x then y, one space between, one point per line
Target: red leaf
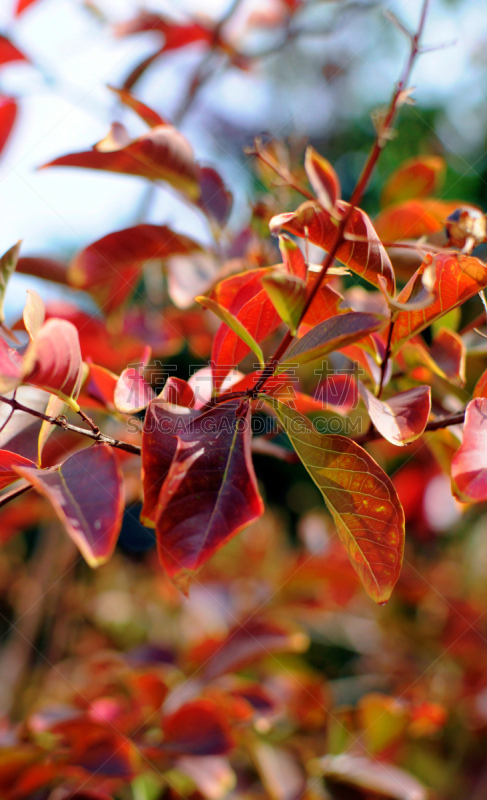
322 178
249 642
90 508
402 418
8 461
449 352
292 257
469 464
95 748
198 728
458 277
418 177
178 393
175 34
210 492
161 425
413 219
110 267
53 360
132 392
215 199
22 5
161 153
259 317
367 258
8 112
481 386
8 52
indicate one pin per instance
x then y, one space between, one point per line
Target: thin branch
357 194
62 422
283 172
387 355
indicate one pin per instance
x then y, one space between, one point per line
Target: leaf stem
61 422
386 357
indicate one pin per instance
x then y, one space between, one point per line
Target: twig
358 192
283 172
89 421
386 357
62 422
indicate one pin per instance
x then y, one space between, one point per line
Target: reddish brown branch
61 422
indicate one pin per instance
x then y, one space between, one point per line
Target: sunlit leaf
288 296
322 178
55 407
22 5
418 177
367 258
34 314
10 367
160 154
480 389
383 719
178 392
421 296
53 360
8 262
360 497
90 508
212 775
402 418
292 257
332 334
413 219
281 773
469 464
132 393
210 492
457 278
233 323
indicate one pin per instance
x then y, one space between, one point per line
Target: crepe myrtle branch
383 135
94 432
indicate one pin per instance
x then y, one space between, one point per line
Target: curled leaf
8 262
34 314
469 464
53 360
400 419
322 178
89 508
288 296
233 323
332 334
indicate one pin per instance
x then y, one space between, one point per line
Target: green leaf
8 262
360 497
231 320
288 296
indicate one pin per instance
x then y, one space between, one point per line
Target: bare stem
387 355
61 422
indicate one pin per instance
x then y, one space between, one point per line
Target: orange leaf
367 258
412 219
417 177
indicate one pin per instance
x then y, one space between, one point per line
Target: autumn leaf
449 353
215 199
53 360
89 508
413 219
8 462
363 252
360 497
110 268
457 278
373 777
10 367
288 296
322 178
34 314
22 5
148 115
210 492
132 393
8 52
198 728
160 154
417 177
402 418
162 423
292 257
8 113
332 334
469 464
